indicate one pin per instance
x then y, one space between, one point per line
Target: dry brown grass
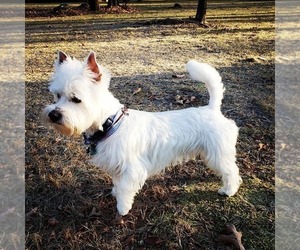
287 126
12 126
179 209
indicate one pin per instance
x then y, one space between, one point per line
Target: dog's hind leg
222 162
231 180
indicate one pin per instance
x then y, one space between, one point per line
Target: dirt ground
66 202
287 125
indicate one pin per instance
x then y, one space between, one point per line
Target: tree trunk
201 11
112 3
94 5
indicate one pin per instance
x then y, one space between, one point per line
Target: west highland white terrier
132 145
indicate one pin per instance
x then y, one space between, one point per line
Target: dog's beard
64 126
69 131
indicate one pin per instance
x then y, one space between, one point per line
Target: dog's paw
228 192
231 188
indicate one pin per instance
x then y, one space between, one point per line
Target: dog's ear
61 57
93 66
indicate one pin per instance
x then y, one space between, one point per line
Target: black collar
110 126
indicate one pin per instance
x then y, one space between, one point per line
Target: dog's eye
75 100
58 96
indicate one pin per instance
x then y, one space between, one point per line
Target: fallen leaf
31 213
53 235
283 146
232 236
177 76
193 98
137 91
53 221
94 212
261 146
153 240
6 213
179 102
178 99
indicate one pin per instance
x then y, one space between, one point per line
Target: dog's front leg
126 186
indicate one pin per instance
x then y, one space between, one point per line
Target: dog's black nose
54 115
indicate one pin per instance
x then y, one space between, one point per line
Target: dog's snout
55 115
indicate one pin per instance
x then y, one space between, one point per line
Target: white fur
146 142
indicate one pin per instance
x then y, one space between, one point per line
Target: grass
287 128
12 127
179 209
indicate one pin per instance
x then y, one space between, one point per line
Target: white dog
132 145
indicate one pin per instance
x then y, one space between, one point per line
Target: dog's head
80 90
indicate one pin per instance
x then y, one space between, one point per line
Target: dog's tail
207 74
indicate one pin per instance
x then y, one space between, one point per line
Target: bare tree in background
201 11
112 3
94 5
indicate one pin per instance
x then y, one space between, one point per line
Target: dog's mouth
57 123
